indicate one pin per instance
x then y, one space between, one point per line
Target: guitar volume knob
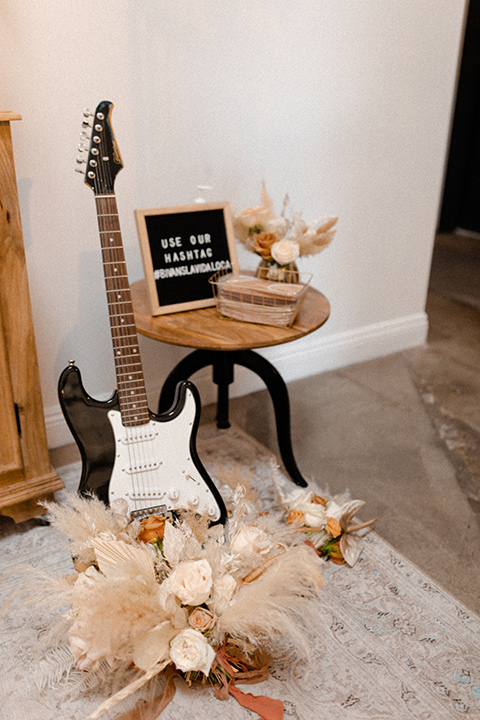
173 494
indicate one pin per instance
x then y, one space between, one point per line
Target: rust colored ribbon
267 708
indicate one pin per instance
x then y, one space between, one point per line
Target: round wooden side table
222 343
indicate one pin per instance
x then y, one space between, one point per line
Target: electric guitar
127 451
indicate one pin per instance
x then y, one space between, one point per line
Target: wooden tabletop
207 330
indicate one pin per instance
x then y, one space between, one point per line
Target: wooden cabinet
26 474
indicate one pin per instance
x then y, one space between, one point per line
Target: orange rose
152 529
262 242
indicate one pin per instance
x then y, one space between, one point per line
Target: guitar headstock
102 159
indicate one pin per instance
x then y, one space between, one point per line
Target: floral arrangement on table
280 240
212 604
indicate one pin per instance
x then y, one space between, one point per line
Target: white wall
344 104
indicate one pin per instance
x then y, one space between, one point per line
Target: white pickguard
153 465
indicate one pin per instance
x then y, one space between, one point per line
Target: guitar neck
128 366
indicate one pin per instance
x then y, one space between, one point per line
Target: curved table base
222 362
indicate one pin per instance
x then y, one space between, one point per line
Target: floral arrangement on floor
280 240
213 605
327 523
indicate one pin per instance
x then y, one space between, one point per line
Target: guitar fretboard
128 366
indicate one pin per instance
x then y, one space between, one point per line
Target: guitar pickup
154 510
144 467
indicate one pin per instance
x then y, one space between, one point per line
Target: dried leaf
295 517
333 527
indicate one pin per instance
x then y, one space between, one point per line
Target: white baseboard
311 355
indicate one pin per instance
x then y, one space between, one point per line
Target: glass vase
271 270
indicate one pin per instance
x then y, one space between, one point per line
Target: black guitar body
92 430
88 421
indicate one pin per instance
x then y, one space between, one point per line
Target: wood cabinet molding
26 474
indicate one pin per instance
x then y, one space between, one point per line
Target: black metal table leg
223 377
223 362
281 404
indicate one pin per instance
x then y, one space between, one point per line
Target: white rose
285 251
301 500
297 497
222 593
191 582
251 539
153 646
190 651
315 515
334 510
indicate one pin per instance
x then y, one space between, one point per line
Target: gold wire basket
245 296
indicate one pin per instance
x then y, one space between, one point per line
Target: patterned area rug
395 646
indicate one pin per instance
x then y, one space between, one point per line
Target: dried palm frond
313 240
82 518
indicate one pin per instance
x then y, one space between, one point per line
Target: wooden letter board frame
182 247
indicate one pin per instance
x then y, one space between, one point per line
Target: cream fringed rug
395 646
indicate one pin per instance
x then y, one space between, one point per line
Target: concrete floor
403 432
400 432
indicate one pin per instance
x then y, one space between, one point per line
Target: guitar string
118 287
145 481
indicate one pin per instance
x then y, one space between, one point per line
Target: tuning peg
86 124
84 135
79 170
82 147
87 113
81 159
